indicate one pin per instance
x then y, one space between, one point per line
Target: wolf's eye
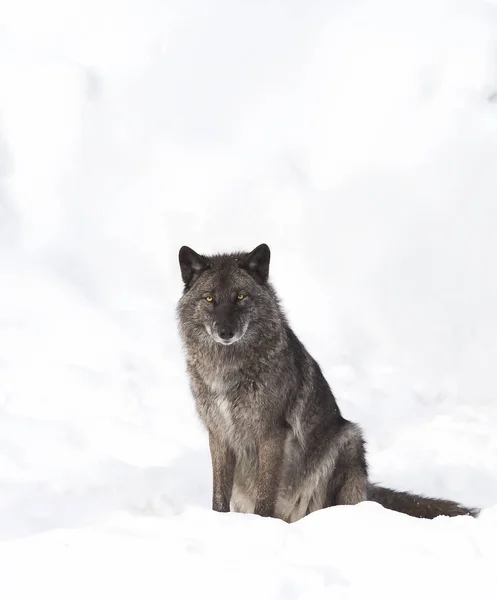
209 298
240 296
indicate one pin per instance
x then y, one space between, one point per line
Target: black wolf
279 444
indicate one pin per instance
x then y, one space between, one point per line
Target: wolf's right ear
191 264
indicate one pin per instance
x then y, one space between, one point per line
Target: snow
200 553
359 140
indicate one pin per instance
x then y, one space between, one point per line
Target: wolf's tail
416 505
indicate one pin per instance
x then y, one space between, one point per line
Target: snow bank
345 552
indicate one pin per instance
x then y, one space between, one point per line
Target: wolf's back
417 505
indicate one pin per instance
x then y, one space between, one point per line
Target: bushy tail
416 505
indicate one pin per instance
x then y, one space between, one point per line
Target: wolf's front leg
270 452
223 470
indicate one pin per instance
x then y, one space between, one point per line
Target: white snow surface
359 140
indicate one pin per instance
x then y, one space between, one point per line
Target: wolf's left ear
257 262
191 264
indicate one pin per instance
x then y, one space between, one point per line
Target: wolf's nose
226 334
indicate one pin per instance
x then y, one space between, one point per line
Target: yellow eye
209 298
240 296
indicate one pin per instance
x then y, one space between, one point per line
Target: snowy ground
358 139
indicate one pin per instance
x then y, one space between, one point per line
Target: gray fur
279 444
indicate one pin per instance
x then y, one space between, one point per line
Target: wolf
279 444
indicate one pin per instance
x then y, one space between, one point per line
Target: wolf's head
226 297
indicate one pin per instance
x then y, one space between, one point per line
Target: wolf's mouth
224 342
229 342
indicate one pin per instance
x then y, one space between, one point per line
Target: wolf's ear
257 262
191 264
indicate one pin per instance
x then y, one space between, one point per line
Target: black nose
226 334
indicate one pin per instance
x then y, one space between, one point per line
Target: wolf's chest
231 411
228 419
224 410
